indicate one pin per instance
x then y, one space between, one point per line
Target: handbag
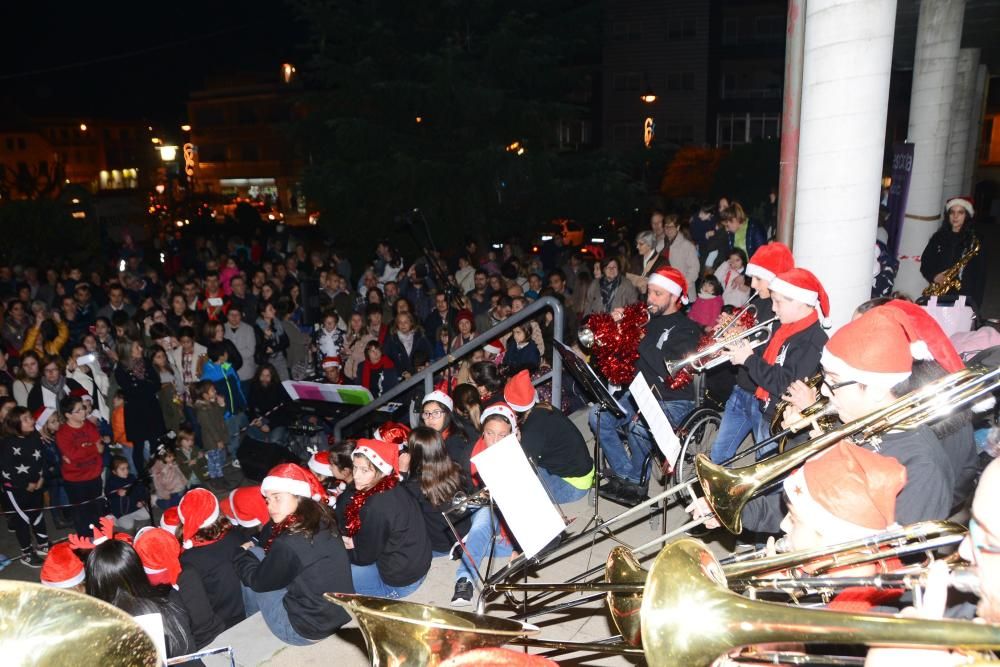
957 317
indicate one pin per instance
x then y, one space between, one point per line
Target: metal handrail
427 375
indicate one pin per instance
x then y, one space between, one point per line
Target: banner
899 190
351 394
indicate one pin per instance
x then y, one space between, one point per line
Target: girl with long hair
434 480
27 377
436 412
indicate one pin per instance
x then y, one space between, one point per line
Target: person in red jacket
81 449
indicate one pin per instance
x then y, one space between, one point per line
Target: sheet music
519 494
656 420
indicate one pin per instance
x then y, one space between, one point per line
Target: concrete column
939 34
791 110
975 128
845 96
956 162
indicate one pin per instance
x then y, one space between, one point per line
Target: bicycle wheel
697 434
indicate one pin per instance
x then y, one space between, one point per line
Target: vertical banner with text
899 190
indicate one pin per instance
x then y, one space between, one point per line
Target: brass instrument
727 491
462 502
962 579
710 356
952 281
689 617
814 411
40 625
589 340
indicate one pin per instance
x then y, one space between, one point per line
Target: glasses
834 387
432 414
978 538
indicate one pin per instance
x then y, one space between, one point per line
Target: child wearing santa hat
742 412
210 544
382 525
300 558
23 478
63 568
436 413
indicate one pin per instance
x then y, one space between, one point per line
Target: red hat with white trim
331 362
294 479
873 349
672 280
226 508
171 519
848 488
502 410
249 506
319 463
962 201
520 393
802 285
198 509
770 260
42 415
160 554
494 347
62 567
383 455
439 397
931 340
396 432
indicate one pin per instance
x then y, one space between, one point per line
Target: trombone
962 578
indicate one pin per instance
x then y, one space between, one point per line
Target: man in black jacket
669 335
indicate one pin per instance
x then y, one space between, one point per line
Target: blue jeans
277 434
559 489
629 465
271 606
234 425
741 416
477 542
216 459
761 432
368 581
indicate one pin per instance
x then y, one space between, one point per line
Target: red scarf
367 368
778 340
352 513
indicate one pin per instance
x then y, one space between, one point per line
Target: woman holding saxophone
952 262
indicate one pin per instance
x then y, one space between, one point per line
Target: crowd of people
126 398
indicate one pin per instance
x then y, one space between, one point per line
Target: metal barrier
427 375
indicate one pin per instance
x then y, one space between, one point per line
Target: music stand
599 394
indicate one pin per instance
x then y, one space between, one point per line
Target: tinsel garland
352 513
280 528
616 344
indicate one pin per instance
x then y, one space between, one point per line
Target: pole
975 129
790 117
961 117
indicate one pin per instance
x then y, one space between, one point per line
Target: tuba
953 277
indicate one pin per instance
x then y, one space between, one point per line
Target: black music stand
595 390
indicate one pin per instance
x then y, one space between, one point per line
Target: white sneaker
236 463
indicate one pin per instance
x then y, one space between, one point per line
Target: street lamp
167 153
649 96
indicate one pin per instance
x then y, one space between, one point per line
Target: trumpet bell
623 568
40 626
586 337
407 633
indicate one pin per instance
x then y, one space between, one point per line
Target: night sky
135 60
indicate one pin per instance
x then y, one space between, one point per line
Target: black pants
85 514
27 517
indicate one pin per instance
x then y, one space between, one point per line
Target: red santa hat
769 261
198 509
847 488
494 347
331 362
160 554
248 506
964 201
382 455
501 409
62 567
170 520
319 463
226 508
294 479
81 393
440 397
931 340
802 285
873 349
395 432
42 415
520 393
671 280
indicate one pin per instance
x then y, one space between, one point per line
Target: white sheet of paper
519 494
656 420
153 625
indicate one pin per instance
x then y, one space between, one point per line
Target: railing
427 375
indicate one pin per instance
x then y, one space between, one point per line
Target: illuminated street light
160 188
649 96
83 127
287 72
168 153
185 128
156 140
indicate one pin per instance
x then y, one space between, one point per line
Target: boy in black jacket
125 493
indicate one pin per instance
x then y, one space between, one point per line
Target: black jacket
438 531
392 535
21 461
395 350
926 496
205 623
213 563
944 250
798 359
459 447
134 493
36 399
306 568
143 416
553 442
668 338
764 313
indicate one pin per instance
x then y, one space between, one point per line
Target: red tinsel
681 379
352 513
277 530
616 344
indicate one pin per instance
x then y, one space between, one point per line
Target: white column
939 34
975 128
845 96
956 162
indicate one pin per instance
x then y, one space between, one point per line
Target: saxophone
953 277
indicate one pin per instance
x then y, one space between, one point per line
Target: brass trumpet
711 355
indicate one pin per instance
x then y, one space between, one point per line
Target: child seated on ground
333 469
168 480
192 462
210 410
125 494
705 311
